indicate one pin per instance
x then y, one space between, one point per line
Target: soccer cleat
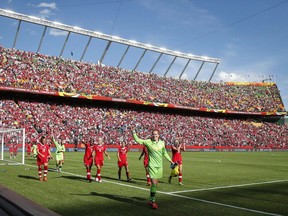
97 179
153 205
180 183
129 180
100 181
169 180
40 179
44 178
148 183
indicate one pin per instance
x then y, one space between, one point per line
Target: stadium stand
74 121
29 70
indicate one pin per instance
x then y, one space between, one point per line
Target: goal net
12 146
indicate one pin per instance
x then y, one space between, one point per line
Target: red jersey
44 151
88 156
11 147
99 152
88 151
28 147
122 152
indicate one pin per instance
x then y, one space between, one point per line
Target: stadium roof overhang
109 40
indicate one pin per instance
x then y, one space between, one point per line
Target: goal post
12 148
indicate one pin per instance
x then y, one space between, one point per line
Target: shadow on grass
75 178
144 180
28 177
132 200
137 181
116 179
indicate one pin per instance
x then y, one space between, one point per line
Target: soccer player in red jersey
28 149
11 150
15 149
177 158
43 155
100 150
88 157
145 163
122 160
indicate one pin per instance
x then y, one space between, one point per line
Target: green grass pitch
215 183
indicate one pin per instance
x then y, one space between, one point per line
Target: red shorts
99 162
88 161
179 162
41 160
122 163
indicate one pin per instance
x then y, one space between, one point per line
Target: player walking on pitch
34 149
88 157
100 150
60 149
145 163
43 155
122 160
177 158
156 151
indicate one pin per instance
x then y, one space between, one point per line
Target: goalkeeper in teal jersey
34 150
60 149
156 151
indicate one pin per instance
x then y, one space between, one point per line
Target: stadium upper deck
33 71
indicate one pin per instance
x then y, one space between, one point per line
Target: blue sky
248 36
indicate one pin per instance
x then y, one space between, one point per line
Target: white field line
191 198
224 205
230 186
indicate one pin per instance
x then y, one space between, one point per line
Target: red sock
180 177
88 174
148 177
40 172
98 174
45 170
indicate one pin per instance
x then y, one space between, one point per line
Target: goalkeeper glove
173 165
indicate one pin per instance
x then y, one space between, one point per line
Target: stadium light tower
93 35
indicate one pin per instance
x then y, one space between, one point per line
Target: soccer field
218 183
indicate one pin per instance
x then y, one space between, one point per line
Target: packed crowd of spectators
37 71
75 124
